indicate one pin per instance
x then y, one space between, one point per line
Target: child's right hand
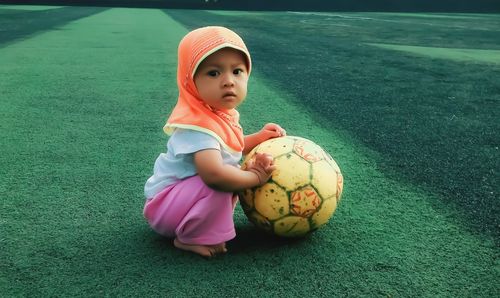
262 165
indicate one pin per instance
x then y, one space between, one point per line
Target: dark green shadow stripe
20 24
433 124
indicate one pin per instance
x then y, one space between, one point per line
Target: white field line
331 16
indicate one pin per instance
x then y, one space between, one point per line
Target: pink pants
192 212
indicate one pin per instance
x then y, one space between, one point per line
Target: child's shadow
249 238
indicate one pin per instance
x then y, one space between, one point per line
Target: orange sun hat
191 112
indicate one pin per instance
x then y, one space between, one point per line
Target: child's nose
228 81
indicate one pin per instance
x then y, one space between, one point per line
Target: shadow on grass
432 123
20 24
250 239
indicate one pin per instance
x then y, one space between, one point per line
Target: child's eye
237 71
213 73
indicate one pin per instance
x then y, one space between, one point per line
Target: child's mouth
229 94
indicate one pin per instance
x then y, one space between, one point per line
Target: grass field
408 105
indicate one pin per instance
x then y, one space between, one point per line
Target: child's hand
269 131
272 130
262 165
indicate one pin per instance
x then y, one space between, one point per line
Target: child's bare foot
220 248
207 251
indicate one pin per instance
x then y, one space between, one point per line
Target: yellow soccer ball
301 195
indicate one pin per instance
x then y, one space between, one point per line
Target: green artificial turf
84 93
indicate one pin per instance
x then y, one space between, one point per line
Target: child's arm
218 175
269 131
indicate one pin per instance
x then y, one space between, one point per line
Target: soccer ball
301 195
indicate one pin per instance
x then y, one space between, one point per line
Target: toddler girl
192 193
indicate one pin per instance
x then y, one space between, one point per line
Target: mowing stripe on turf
21 24
469 55
29 7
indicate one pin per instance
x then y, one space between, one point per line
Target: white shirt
178 163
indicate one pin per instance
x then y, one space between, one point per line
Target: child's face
221 79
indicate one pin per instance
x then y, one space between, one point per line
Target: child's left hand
269 131
272 130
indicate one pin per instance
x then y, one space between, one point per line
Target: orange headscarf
191 112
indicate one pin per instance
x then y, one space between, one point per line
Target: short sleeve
186 141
